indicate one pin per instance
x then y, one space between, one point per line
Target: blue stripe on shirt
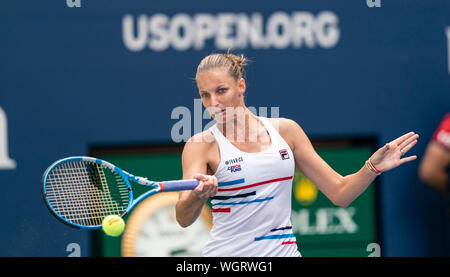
275 237
230 183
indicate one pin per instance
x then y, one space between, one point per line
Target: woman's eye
222 90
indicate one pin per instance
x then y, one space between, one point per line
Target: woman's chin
222 118
219 119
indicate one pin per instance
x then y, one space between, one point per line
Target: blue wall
68 80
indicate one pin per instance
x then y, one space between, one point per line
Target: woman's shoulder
283 125
288 129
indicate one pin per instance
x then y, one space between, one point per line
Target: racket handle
179 185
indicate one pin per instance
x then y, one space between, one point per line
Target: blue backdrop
73 77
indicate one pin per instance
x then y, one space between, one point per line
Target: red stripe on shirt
258 184
221 210
289 242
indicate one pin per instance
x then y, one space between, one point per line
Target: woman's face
220 93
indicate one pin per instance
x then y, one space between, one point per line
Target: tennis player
434 168
246 164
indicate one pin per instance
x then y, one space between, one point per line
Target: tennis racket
82 191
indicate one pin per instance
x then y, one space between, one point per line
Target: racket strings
84 192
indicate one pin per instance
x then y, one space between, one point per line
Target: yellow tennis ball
113 225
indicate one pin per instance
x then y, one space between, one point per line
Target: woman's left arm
342 190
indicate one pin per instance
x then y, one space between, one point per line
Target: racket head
81 191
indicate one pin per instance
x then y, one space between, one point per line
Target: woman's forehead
214 75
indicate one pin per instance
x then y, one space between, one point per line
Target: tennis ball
113 225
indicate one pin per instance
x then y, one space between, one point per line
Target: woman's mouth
219 112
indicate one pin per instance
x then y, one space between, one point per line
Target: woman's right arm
195 162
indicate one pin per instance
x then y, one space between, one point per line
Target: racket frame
157 187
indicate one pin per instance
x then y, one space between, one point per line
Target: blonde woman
246 163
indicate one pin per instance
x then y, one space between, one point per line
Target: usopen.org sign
279 30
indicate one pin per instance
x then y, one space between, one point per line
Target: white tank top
252 208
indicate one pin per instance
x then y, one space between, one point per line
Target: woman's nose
214 101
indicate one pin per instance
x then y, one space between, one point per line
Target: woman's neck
242 128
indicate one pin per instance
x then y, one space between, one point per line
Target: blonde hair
234 64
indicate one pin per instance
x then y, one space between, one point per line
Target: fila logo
284 154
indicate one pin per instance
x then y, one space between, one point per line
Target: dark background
67 81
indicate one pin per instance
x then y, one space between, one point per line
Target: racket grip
179 185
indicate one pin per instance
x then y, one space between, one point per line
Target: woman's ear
242 86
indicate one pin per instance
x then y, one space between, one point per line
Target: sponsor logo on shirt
233 161
284 154
234 168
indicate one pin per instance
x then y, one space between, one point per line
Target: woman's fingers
212 185
401 139
408 159
408 142
396 149
200 177
207 186
405 148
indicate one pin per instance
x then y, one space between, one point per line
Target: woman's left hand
390 155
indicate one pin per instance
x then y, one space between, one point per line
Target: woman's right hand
207 186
